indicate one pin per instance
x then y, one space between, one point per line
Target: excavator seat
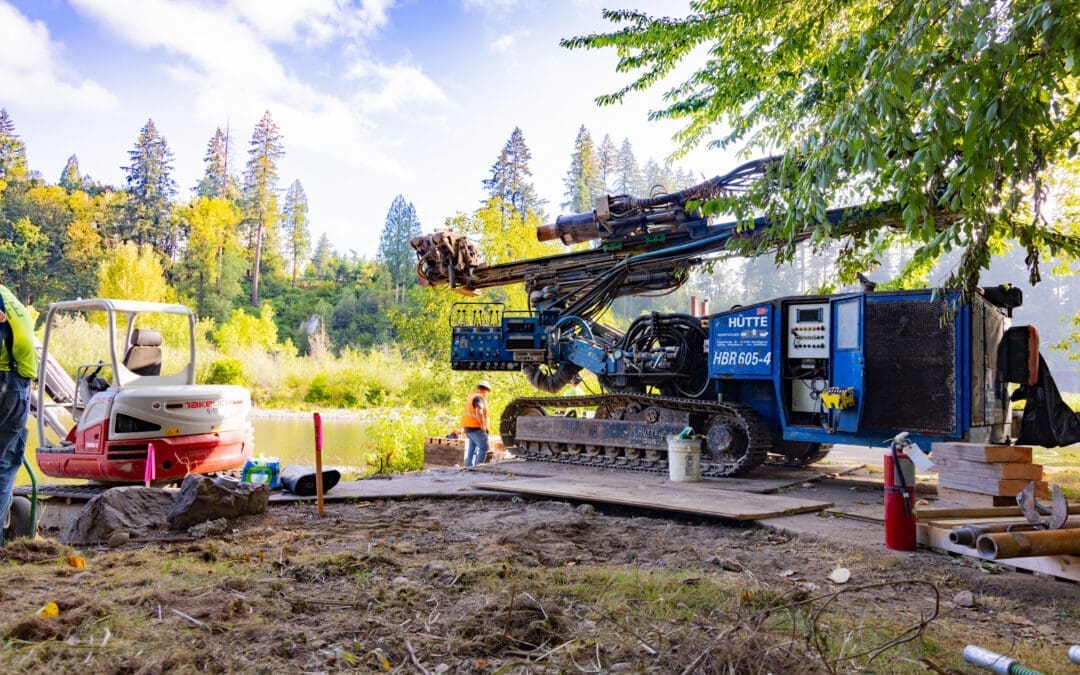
144 355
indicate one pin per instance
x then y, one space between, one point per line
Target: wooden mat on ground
762 480
695 498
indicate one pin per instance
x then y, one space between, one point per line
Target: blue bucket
262 470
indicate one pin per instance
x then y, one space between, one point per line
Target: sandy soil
481 585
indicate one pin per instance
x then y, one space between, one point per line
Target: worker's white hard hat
483 384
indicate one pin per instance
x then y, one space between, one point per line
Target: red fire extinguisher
899 497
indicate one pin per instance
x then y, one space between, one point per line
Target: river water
289 437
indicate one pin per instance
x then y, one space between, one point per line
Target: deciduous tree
213 262
954 110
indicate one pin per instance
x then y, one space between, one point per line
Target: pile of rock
200 506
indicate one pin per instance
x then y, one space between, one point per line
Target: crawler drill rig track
629 431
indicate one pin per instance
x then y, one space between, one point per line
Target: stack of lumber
985 475
444 452
440 451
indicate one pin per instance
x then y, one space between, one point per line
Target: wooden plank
932 513
762 480
1000 470
1057 566
694 498
977 452
990 486
973 499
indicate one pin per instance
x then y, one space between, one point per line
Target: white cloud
489 6
503 44
227 58
311 21
31 70
392 87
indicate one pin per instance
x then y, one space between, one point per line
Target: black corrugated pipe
547 380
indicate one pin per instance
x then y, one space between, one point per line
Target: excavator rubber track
738 431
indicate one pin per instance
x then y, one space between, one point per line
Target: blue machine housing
904 361
852 368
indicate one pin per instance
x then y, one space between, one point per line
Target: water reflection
289 438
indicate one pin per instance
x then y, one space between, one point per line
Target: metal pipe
1023 544
966 535
995 663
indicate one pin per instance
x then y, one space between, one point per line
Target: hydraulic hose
548 381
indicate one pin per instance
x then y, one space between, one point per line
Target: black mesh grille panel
910 368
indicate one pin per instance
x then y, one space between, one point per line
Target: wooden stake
318 465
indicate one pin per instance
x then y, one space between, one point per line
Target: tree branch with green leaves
955 112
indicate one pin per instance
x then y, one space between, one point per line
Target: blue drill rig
777 381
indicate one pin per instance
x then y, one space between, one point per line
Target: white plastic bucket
684 459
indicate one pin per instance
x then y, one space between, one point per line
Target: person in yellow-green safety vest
476 426
18 368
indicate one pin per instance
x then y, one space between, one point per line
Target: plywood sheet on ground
762 480
694 498
434 484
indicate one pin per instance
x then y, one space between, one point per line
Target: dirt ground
511 585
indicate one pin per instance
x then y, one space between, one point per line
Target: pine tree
70 178
150 188
12 151
295 226
655 179
511 177
394 250
582 179
627 173
217 181
607 160
322 257
260 185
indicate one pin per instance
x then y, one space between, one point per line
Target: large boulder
200 500
132 508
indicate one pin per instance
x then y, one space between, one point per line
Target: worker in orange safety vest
475 424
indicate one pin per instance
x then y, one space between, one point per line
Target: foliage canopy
954 110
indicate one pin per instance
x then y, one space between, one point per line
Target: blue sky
374 97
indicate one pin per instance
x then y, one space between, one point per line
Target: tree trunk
258 261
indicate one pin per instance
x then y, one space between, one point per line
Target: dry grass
430 584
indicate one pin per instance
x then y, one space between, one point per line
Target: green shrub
338 394
226 371
395 442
